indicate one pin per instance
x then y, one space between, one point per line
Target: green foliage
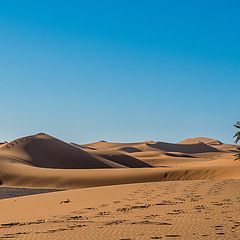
237 136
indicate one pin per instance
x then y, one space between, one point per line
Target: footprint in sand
172 235
102 213
115 222
65 201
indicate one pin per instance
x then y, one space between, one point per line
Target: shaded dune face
44 151
117 155
130 149
57 154
184 148
178 155
125 160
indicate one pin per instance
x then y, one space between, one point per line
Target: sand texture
196 209
143 190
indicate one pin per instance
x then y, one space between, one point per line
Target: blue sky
119 70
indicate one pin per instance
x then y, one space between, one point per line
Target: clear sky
124 70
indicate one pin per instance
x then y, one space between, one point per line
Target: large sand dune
42 150
43 161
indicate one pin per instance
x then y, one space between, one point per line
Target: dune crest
205 140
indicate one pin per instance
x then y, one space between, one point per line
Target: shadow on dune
183 148
179 155
125 160
54 153
130 149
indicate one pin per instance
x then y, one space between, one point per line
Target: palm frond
237 136
237 125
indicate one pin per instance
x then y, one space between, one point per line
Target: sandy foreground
144 190
197 209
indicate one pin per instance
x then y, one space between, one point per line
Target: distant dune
42 161
184 148
209 141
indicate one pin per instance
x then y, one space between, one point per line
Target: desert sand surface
139 190
195 209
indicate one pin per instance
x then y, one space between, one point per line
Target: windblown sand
146 190
197 209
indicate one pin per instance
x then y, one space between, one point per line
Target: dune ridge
209 141
42 161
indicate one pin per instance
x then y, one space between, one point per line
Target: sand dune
45 162
209 141
42 150
127 147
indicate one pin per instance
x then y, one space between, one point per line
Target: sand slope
43 161
164 210
42 150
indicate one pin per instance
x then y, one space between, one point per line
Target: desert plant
237 136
